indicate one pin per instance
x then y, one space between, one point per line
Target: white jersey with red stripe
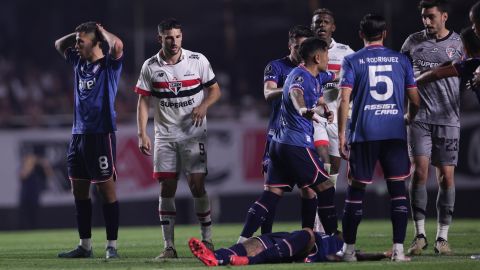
336 53
177 89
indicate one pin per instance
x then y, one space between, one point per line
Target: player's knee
308 193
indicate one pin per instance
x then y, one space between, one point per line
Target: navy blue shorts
91 157
392 155
294 165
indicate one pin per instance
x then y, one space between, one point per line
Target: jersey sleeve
406 48
271 73
206 72
144 83
116 64
325 77
71 56
297 82
409 75
467 67
347 76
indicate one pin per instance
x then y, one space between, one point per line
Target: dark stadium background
238 36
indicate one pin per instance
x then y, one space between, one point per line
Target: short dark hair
324 11
299 31
470 41
372 26
475 10
311 45
442 5
169 24
90 27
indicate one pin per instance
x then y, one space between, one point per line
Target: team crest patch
175 87
298 79
450 52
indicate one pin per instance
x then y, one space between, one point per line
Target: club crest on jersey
175 87
450 52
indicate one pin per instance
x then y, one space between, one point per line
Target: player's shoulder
342 47
454 37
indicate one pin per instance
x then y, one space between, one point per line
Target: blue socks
84 218
398 210
352 214
327 211
111 216
258 211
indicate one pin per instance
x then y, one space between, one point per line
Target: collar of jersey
163 63
332 44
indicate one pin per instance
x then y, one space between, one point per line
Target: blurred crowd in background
239 38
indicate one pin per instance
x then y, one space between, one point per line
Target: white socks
86 243
442 231
420 227
167 213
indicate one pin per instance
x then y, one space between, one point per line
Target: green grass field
138 245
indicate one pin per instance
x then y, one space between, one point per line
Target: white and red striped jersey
336 53
177 89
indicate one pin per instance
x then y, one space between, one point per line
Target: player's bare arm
322 110
271 91
343 107
296 95
115 44
199 112
413 103
144 143
64 43
437 73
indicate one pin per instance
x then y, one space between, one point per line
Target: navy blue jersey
95 87
276 71
295 129
324 245
378 78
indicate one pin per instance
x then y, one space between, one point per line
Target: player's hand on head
198 114
144 145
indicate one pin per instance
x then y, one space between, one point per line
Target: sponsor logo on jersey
268 69
160 74
194 56
382 109
189 74
298 79
166 103
86 84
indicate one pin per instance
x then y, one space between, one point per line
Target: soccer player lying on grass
465 69
280 247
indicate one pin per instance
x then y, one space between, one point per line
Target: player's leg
193 156
444 157
362 161
308 207
275 184
309 172
102 170
165 160
334 155
421 147
321 143
396 168
259 210
267 224
80 184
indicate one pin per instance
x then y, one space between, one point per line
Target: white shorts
326 134
171 158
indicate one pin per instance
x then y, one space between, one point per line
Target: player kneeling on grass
280 247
